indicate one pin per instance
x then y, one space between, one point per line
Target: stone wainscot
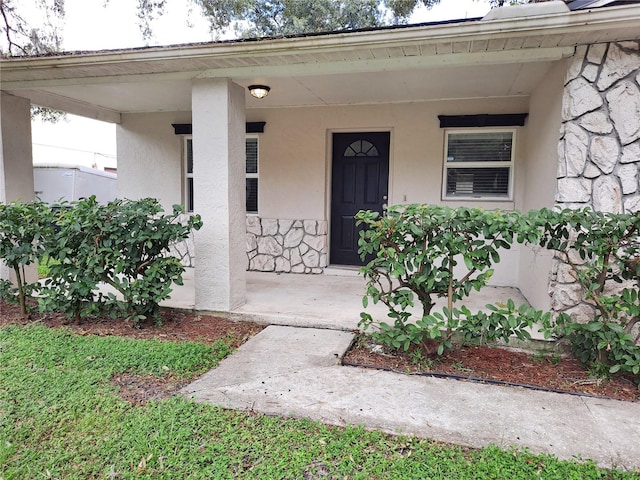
275 245
290 246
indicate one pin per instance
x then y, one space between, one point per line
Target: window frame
496 164
255 175
186 175
186 194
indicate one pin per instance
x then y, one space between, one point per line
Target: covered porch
397 81
332 300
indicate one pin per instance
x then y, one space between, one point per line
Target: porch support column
16 160
219 193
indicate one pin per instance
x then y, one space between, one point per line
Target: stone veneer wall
184 250
291 246
599 149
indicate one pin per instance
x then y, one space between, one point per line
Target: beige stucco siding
295 160
150 157
16 167
539 168
295 152
295 157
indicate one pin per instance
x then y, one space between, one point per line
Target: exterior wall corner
599 149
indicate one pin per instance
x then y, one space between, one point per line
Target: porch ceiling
341 89
479 58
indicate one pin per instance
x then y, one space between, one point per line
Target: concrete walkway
296 372
292 368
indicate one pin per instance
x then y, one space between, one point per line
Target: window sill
484 203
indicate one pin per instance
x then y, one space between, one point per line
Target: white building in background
55 182
75 140
53 154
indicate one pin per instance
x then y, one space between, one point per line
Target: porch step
342 271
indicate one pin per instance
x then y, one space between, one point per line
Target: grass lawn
60 417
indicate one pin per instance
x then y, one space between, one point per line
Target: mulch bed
477 363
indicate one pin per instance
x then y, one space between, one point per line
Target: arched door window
361 148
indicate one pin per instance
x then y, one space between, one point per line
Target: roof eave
606 19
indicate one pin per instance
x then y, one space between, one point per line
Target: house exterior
529 107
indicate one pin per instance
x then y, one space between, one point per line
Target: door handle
384 197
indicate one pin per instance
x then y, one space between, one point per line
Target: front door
359 181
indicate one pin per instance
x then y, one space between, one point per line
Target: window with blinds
478 164
188 175
251 174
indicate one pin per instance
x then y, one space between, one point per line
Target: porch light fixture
259 91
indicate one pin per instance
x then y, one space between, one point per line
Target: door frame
329 172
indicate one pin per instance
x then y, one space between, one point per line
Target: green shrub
124 244
23 226
603 251
43 266
416 249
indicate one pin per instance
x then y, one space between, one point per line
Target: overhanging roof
502 57
582 4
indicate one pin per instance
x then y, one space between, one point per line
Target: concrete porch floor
331 301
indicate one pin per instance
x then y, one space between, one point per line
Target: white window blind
252 174
478 164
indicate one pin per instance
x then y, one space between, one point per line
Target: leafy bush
416 251
22 229
417 247
124 244
73 260
603 252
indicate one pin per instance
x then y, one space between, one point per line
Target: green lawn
43 266
61 418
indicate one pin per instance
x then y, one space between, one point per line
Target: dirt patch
558 373
139 389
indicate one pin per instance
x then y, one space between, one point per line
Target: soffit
309 90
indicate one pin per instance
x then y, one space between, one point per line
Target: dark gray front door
360 181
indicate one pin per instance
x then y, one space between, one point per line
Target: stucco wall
539 169
295 157
16 164
150 157
295 151
295 162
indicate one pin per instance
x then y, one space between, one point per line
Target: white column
16 161
219 193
